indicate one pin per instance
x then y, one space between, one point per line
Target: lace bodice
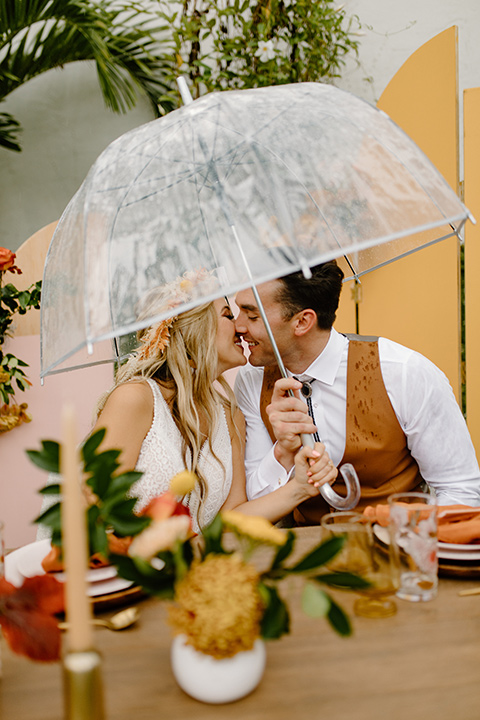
161 458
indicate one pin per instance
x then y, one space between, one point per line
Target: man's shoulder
395 355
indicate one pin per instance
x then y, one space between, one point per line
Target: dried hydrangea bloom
218 606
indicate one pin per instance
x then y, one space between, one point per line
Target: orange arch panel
415 300
471 116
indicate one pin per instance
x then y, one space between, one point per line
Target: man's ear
305 321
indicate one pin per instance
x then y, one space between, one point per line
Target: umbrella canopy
250 184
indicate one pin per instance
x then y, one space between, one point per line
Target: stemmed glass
362 555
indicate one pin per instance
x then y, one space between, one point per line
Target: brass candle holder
83 690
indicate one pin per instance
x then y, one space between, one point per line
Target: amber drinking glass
364 556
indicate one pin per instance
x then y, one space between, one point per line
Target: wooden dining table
423 663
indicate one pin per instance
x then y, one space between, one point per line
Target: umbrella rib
202 215
455 232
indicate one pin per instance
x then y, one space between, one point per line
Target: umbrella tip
184 91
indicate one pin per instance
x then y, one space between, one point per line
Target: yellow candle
74 535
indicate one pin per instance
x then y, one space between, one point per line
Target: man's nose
240 328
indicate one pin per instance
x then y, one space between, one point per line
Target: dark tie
306 391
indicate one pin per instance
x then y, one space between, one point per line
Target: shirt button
315 405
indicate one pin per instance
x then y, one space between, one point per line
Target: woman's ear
305 321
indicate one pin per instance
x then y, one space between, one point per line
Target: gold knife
472 591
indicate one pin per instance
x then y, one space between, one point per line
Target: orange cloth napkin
456 523
52 563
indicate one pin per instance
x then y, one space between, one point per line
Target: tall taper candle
74 535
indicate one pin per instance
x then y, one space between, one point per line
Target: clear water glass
413 537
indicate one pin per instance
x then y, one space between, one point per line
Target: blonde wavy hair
187 366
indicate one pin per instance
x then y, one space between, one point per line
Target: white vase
205 678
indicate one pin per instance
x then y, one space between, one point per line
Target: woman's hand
314 468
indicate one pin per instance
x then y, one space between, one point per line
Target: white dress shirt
421 397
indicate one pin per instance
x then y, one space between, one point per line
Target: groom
377 404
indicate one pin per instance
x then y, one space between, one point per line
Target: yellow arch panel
415 300
471 118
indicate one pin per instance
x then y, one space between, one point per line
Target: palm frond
9 128
39 35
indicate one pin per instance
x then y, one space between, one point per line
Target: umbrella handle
350 477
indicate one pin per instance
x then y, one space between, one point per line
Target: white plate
473 547
27 562
456 554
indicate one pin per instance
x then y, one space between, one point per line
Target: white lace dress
161 458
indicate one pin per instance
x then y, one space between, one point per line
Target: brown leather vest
375 443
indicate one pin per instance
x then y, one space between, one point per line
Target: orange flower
27 617
164 506
7 261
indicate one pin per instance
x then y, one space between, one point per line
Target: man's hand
289 418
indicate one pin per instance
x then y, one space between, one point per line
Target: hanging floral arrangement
13 301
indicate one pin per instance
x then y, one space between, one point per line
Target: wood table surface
423 663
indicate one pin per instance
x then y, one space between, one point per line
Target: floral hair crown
193 283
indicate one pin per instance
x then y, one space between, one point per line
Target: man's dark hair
320 293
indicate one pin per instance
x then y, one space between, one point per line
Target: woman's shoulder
132 395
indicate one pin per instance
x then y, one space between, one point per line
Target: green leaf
52 489
338 619
122 483
153 581
284 550
343 580
51 517
104 462
276 619
48 458
24 299
114 508
91 444
315 602
319 555
97 532
126 524
212 536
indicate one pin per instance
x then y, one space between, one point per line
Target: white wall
394 30
66 124
65 127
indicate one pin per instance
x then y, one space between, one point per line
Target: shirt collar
325 367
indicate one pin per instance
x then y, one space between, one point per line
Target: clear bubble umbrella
251 185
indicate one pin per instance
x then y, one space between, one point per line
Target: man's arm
264 474
268 466
436 431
